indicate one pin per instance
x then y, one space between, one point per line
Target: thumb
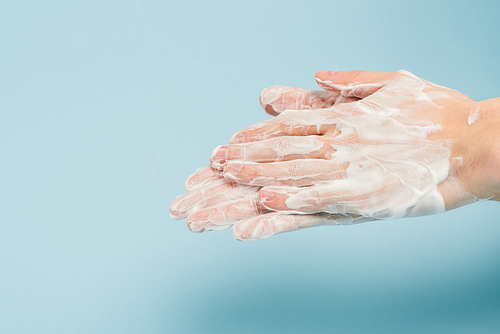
358 84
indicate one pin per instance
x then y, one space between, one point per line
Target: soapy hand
215 203
375 146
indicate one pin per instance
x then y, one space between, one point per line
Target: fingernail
270 110
266 195
237 138
195 227
219 156
233 169
176 214
178 207
242 230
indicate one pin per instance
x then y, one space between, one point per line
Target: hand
343 91
406 147
214 203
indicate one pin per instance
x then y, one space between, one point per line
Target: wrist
486 130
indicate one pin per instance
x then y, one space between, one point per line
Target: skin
248 165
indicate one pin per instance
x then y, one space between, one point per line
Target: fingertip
269 96
231 171
272 200
218 156
174 214
214 152
188 184
174 210
251 229
266 195
324 75
269 109
237 138
193 227
202 176
177 214
200 221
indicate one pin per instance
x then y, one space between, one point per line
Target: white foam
474 115
393 169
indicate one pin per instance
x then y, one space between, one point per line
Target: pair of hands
369 146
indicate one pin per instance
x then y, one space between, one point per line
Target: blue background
106 107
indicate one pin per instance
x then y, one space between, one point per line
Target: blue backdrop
107 106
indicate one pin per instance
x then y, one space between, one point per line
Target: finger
222 216
294 123
382 200
299 173
388 197
300 200
357 77
274 149
264 226
217 192
359 84
277 99
201 177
